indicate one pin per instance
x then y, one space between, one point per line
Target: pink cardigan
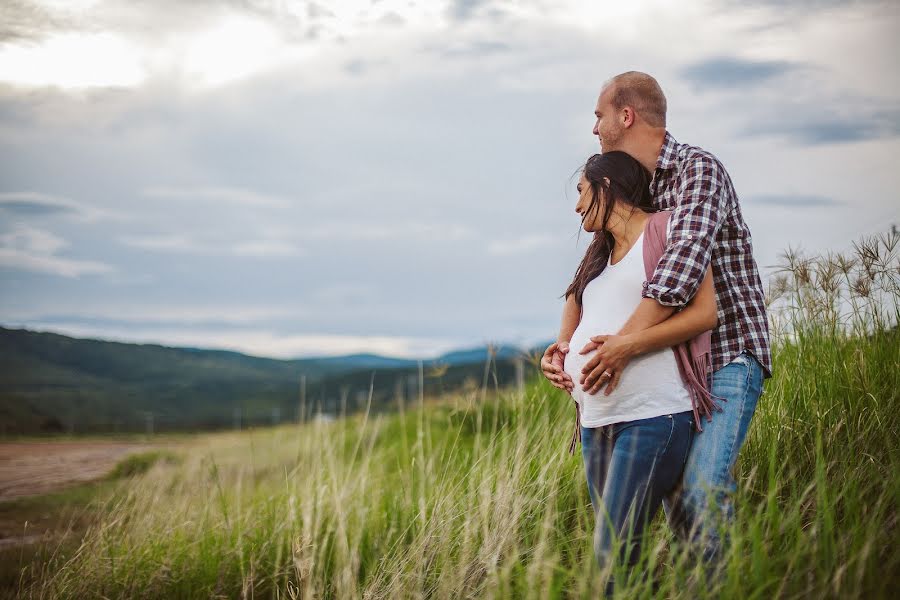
693 356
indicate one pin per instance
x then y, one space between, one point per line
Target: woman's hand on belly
552 366
613 353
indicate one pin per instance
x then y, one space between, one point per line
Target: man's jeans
630 467
697 510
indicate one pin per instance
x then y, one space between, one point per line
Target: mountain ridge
51 382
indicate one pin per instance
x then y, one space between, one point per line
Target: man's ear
628 116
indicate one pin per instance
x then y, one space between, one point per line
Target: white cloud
391 231
28 203
32 240
214 195
144 315
406 153
268 249
30 249
167 243
343 293
521 245
76 6
51 265
214 57
182 244
204 45
72 60
263 342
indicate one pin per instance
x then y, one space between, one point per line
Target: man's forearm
648 313
682 327
570 318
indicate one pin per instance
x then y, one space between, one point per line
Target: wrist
633 344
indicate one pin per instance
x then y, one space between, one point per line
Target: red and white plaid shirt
707 225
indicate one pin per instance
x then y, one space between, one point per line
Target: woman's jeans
630 467
697 511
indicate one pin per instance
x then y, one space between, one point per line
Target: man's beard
610 141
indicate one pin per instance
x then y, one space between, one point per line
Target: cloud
870 127
29 249
128 44
36 204
183 244
167 243
343 293
795 200
260 342
414 179
403 231
391 19
522 245
31 240
731 72
268 249
477 49
356 67
463 10
52 265
25 21
809 126
74 60
140 315
238 196
807 5
33 204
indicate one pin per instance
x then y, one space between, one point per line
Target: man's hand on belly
614 352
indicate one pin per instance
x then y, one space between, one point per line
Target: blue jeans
630 467
703 504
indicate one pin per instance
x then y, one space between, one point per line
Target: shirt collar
667 153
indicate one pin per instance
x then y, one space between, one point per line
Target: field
41 467
48 491
474 495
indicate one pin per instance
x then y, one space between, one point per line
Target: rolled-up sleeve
698 215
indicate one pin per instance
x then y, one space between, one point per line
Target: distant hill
54 383
480 355
337 364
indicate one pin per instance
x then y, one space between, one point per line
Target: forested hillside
51 383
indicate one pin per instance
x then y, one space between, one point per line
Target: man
706 227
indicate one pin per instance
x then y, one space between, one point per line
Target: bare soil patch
36 468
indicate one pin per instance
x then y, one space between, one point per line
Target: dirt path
34 520
35 468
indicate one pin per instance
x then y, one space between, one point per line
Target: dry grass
477 497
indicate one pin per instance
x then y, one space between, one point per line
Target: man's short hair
641 92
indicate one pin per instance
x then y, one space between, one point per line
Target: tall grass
475 495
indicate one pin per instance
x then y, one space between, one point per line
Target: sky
293 179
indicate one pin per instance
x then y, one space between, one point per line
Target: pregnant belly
651 377
574 361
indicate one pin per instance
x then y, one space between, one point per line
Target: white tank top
650 385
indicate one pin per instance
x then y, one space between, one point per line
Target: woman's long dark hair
629 183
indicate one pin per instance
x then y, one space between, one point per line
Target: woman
635 440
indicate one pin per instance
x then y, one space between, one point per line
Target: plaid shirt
707 225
